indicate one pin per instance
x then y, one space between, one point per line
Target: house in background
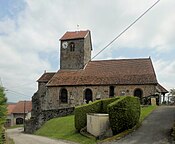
17 112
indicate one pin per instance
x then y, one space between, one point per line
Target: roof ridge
121 59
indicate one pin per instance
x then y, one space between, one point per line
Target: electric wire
120 34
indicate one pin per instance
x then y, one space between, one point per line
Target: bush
105 103
124 113
99 106
81 111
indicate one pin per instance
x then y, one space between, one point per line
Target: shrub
99 106
105 103
81 111
124 113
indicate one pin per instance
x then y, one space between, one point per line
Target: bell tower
75 50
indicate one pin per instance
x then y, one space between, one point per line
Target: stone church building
80 80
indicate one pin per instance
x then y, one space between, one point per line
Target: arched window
72 46
138 93
63 96
88 95
19 121
111 91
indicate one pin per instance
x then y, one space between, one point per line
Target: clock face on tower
65 45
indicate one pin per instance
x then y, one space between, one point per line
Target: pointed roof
46 77
10 108
161 89
19 108
75 35
108 72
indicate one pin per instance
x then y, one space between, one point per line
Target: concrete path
155 129
21 138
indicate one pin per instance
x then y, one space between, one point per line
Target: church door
138 93
88 95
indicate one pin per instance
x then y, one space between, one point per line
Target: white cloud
165 72
39 26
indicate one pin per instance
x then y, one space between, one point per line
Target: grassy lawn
145 111
63 128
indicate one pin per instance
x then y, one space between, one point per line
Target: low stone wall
36 122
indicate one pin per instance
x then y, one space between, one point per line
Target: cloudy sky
30 32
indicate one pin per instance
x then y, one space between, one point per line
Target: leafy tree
3 112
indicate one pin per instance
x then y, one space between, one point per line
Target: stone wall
76 94
38 120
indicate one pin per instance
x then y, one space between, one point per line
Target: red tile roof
161 89
75 35
19 108
46 77
10 108
107 72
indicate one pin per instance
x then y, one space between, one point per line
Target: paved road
21 138
155 129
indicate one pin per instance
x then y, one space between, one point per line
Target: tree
3 113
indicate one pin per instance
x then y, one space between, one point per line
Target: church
81 80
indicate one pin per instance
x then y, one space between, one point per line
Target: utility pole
24 114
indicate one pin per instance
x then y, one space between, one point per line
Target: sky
30 31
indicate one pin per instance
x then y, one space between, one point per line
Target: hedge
99 106
124 113
81 111
106 102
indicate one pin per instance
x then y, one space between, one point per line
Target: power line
19 93
126 29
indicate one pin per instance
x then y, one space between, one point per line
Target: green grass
145 111
63 128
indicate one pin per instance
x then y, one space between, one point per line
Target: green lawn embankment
63 128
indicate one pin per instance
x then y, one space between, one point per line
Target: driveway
155 129
21 138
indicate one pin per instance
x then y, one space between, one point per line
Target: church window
63 96
88 95
111 91
72 46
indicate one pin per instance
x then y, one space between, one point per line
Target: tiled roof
107 72
161 89
75 35
19 108
46 77
10 108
